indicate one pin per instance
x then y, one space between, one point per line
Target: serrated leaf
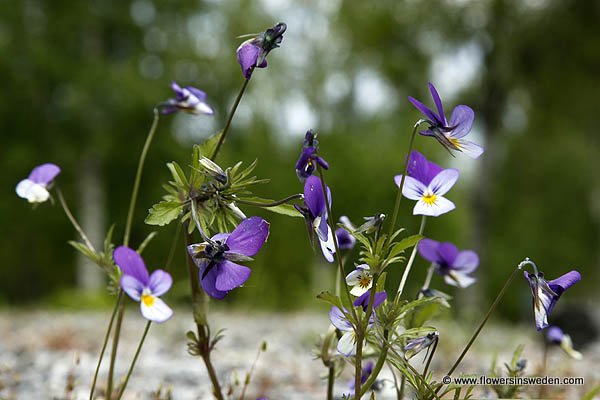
163 213
207 148
331 299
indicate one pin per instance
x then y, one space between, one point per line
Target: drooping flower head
452 264
415 346
253 52
427 183
363 300
345 240
35 187
555 335
315 213
188 99
306 164
142 287
217 259
361 280
450 135
546 294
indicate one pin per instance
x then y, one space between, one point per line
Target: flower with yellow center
360 279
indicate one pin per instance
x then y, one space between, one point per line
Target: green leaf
331 299
142 246
178 175
207 148
285 209
404 244
592 393
86 251
163 213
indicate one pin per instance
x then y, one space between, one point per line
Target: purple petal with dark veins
429 114
438 103
562 283
339 320
461 121
44 174
345 240
363 300
160 282
249 236
208 282
131 263
231 275
428 249
422 169
448 253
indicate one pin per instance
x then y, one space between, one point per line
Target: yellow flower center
148 299
455 143
429 198
364 281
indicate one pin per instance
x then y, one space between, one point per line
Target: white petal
328 247
353 278
443 182
359 290
441 206
203 108
459 280
157 312
33 192
347 344
567 346
471 149
412 189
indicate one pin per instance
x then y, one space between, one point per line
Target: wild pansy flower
315 213
415 346
555 335
450 135
35 187
143 287
546 294
363 300
188 99
217 258
452 264
427 183
347 343
253 52
309 159
345 240
360 279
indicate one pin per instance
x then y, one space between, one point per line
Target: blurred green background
80 79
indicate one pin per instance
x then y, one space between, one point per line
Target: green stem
428 277
138 178
271 204
115 345
71 218
229 119
249 376
361 334
330 381
410 261
106 336
135 357
483 322
399 192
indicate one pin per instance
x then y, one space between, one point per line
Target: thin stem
399 192
229 119
115 345
63 203
483 322
395 380
428 277
330 381
106 336
135 357
360 335
138 178
430 358
249 376
410 260
271 204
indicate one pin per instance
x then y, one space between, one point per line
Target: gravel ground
42 353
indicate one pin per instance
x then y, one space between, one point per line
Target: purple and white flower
361 280
217 259
427 183
309 159
546 294
35 187
253 52
363 300
452 264
345 240
450 135
555 335
347 343
143 287
188 99
415 346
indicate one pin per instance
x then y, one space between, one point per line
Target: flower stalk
135 357
71 218
229 119
410 261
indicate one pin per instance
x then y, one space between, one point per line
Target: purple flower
363 300
345 240
452 264
555 335
360 279
216 259
450 135
253 52
546 294
306 164
141 287
188 99
315 213
347 343
35 187
415 346
427 183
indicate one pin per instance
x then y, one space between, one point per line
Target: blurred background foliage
80 80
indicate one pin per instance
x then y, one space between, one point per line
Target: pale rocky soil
40 352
